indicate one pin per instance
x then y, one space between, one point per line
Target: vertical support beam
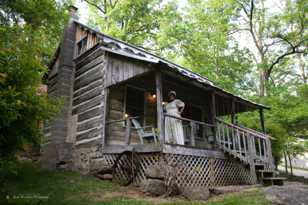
218 137
232 111
127 131
211 173
105 116
259 147
192 134
223 140
265 154
239 142
269 152
228 137
262 120
233 120
252 154
233 138
213 115
244 142
159 104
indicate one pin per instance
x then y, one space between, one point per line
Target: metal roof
119 47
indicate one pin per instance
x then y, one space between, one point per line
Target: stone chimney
73 12
59 149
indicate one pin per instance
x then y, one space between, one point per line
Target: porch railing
127 126
193 130
246 144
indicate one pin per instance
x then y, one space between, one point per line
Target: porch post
159 102
262 120
105 116
213 114
232 111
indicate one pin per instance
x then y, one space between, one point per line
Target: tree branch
293 50
96 6
279 58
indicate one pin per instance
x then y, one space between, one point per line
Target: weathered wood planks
88 97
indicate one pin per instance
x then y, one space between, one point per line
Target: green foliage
28 32
132 21
22 107
197 36
286 121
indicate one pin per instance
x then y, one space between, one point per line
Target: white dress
173 127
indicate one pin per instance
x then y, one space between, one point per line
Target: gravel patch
292 193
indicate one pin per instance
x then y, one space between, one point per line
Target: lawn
35 186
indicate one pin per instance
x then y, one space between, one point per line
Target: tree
275 35
208 46
197 36
23 57
132 21
286 122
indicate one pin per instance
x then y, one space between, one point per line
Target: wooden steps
268 177
269 181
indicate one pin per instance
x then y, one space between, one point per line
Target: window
82 45
134 105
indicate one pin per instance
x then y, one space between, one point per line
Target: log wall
88 99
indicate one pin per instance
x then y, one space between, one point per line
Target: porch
141 98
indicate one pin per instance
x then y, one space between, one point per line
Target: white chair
144 134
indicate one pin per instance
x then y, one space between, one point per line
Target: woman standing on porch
173 127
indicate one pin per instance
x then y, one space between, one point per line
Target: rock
104 176
289 194
230 189
62 165
173 189
154 187
155 172
196 193
107 176
100 166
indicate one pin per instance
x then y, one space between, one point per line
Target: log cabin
113 116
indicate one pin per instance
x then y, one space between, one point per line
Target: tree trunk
263 82
285 162
302 67
290 161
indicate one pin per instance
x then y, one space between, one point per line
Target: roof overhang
118 47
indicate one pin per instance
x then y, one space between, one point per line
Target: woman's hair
172 92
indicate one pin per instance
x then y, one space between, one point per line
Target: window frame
83 45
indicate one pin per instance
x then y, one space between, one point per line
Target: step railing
248 145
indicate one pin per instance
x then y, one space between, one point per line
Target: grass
35 186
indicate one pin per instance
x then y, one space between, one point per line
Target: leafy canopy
28 32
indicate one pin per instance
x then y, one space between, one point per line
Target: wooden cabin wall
81 33
88 99
52 81
115 132
121 68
